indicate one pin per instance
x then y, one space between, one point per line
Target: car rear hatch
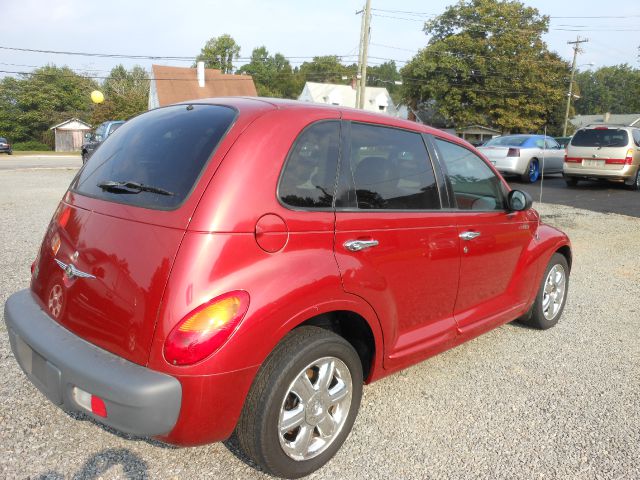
110 247
598 149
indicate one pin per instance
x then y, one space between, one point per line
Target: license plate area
592 163
42 373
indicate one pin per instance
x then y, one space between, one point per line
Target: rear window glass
156 158
508 141
309 177
600 138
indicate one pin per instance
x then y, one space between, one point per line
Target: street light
570 94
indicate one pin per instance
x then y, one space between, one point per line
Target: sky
298 29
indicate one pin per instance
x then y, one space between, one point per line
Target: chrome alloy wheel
55 300
315 408
555 287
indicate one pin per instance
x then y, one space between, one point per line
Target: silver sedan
527 156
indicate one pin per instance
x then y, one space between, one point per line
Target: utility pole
361 77
576 49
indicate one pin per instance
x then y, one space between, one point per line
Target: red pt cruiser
245 265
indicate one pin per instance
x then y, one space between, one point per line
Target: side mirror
518 201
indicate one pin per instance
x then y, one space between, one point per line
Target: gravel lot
514 403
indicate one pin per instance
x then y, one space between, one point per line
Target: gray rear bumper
138 400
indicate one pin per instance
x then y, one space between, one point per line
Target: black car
93 140
5 146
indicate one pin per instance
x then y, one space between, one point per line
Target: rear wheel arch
355 329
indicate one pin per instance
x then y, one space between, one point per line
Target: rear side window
391 169
507 141
608 137
474 184
309 176
164 149
636 137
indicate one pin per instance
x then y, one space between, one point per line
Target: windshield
596 137
508 141
161 150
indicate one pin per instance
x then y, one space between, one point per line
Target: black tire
10 152
257 430
571 181
635 186
536 317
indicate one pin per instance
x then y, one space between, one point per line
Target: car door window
309 175
636 137
474 185
552 144
391 169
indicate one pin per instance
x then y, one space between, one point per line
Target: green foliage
385 75
613 89
272 74
486 63
326 69
126 94
31 145
219 52
35 102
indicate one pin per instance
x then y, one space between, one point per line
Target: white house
376 99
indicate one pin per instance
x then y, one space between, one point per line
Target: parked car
5 146
93 140
604 152
562 141
524 155
245 265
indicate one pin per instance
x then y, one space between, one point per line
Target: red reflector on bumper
98 407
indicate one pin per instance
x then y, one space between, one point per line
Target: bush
32 145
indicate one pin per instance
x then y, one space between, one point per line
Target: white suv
605 152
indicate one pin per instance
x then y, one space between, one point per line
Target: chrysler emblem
71 271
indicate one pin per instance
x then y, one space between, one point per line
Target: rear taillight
513 152
628 160
568 159
205 330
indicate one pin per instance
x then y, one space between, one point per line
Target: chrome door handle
469 235
357 245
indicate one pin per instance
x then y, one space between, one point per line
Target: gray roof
631 119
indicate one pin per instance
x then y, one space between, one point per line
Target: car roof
256 104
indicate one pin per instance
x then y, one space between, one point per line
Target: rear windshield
3 140
156 158
609 137
508 141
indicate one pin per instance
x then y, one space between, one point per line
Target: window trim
346 149
288 158
453 204
197 180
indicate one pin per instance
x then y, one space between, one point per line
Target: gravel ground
514 403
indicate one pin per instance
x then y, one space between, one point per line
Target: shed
477 134
70 135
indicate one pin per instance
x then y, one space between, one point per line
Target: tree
613 89
29 106
219 52
385 75
327 69
272 74
486 63
126 94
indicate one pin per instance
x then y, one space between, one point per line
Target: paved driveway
602 197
